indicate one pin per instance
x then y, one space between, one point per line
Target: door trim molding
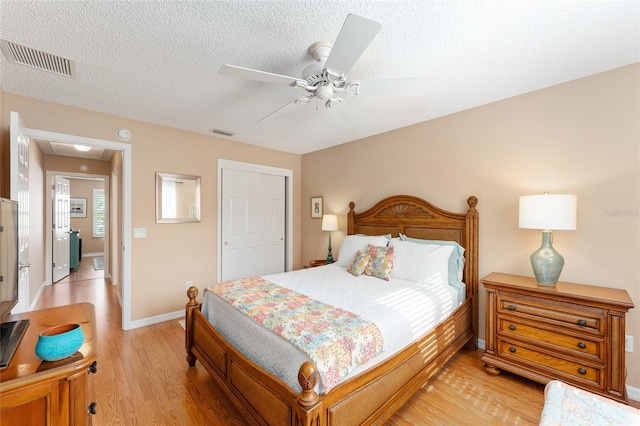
258 168
126 202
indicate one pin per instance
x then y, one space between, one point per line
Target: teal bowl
59 342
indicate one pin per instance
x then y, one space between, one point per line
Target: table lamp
547 212
329 223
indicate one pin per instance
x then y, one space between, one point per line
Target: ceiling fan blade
285 108
356 34
389 87
250 74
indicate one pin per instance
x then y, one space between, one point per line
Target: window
98 213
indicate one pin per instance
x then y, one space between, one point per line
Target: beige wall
581 137
172 253
37 249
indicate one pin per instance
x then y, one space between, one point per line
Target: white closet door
253 224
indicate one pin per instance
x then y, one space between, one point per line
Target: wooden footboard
371 397
374 395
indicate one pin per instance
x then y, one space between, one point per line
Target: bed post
471 266
308 412
351 221
192 293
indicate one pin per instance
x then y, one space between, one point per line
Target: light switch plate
139 232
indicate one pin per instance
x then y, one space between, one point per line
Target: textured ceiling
158 62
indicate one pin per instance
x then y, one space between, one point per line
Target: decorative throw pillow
359 263
352 243
381 263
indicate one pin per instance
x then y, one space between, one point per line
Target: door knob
23 265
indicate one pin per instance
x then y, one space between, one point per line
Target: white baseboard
35 299
157 319
92 254
633 393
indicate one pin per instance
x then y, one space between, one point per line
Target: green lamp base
547 263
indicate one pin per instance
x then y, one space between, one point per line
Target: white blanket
566 405
402 310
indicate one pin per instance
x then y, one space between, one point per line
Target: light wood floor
143 377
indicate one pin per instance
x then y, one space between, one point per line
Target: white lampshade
548 211
329 222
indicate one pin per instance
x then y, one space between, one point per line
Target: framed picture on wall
316 207
78 207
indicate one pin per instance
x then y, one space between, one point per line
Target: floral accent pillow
359 263
381 263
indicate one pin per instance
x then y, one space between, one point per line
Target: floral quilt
336 340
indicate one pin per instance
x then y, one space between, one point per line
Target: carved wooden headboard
418 218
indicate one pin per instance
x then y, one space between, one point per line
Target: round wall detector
123 134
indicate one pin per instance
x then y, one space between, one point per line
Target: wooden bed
375 395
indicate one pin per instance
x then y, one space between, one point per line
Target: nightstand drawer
566 314
580 346
576 370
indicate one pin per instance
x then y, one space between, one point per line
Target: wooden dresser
35 392
571 332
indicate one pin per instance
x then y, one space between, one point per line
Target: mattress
403 311
567 405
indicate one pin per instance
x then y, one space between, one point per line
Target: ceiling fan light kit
327 75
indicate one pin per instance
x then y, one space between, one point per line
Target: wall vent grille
23 55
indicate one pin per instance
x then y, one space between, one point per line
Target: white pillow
352 243
421 262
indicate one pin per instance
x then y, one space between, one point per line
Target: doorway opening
123 202
87 240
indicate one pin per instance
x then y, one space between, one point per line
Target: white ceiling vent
23 55
221 132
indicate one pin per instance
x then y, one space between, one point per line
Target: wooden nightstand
570 332
317 262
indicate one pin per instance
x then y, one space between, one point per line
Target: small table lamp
329 223
547 212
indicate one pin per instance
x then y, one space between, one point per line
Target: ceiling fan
326 78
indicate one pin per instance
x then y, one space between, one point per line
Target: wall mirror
177 198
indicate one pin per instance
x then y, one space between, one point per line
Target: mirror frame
160 217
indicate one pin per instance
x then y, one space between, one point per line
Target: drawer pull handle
512 349
582 371
93 368
512 307
582 345
92 408
582 322
512 327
